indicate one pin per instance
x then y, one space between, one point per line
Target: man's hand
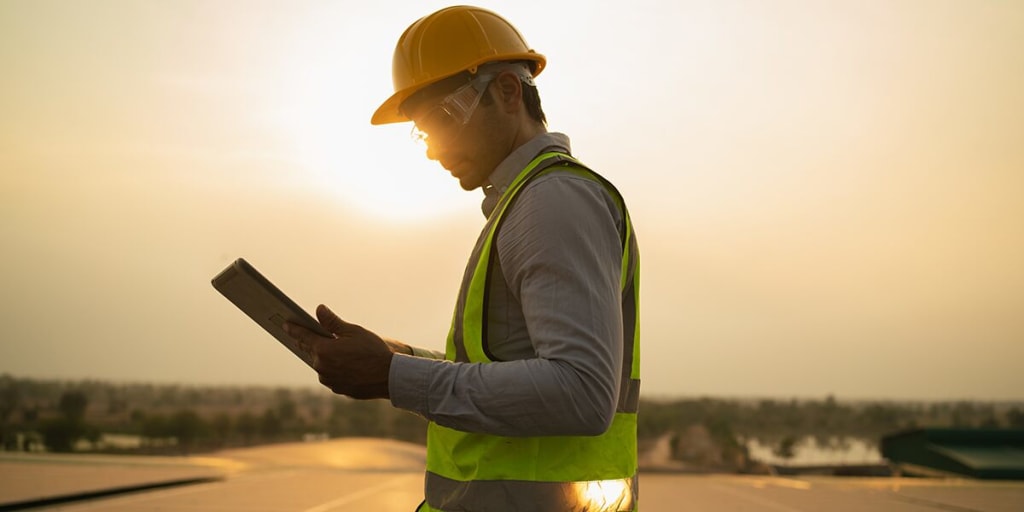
355 363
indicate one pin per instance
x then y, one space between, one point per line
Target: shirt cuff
427 353
409 382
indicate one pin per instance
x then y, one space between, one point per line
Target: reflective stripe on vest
467 471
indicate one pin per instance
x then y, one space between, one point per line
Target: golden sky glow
827 194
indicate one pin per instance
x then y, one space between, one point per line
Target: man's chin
468 185
468 181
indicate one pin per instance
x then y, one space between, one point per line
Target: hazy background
828 194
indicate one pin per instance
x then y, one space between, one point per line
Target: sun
329 85
378 171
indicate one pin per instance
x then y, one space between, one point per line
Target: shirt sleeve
561 256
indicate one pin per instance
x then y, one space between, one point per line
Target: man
533 405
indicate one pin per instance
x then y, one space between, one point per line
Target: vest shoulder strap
556 161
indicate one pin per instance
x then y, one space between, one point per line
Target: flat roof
384 476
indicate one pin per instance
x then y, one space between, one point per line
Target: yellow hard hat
448 42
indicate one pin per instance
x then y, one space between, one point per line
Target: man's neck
528 129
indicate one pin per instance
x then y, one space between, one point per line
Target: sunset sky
829 195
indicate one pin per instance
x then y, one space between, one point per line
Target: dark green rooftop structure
976 453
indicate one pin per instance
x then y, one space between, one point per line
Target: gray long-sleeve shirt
554 317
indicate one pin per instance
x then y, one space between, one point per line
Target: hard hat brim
390 111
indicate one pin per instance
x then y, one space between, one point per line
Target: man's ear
510 92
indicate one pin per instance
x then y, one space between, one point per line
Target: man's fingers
297 331
305 338
331 321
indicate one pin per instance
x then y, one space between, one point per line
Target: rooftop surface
384 476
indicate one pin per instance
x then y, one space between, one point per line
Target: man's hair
531 96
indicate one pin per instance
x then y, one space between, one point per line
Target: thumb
331 321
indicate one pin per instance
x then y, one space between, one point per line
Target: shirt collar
515 162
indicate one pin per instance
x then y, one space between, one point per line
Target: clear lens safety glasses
453 112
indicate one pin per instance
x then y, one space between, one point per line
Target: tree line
66 416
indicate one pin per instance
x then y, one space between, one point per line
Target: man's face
459 129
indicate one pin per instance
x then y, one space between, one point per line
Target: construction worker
533 404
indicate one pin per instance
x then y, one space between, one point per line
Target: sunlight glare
325 116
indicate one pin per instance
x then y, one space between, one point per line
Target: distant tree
222 428
155 426
694 445
93 435
168 396
963 415
989 422
410 427
137 416
61 434
734 451
115 402
271 426
286 407
247 426
364 419
878 419
29 414
313 404
1015 418
830 402
957 419
187 427
10 397
73 404
8 438
786 449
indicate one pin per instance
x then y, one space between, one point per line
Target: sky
828 195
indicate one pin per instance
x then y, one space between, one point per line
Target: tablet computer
268 306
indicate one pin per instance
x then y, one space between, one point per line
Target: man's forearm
531 397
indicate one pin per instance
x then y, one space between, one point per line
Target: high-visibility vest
470 471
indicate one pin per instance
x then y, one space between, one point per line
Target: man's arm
561 255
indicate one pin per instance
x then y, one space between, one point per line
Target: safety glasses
450 115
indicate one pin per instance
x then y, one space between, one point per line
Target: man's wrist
408 382
398 347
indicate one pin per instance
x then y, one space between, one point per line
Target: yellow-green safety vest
480 472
